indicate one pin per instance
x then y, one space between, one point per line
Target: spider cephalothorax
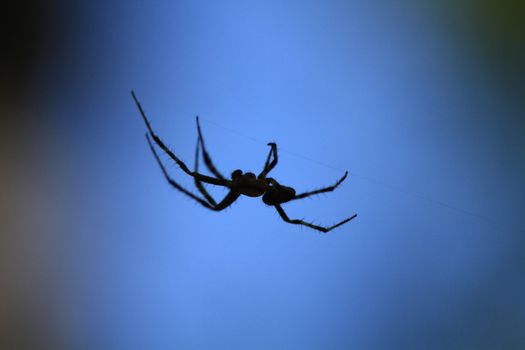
248 184
251 186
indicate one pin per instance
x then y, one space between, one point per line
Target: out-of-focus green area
496 29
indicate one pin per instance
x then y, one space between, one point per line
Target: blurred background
422 103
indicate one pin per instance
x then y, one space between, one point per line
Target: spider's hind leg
285 217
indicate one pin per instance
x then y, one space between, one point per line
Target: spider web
385 185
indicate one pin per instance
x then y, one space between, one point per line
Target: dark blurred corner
496 30
501 28
30 36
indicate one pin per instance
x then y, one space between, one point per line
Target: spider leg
285 217
157 139
206 156
226 202
321 190
180 163
268 166
198 183
172 182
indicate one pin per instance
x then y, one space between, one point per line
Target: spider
273 193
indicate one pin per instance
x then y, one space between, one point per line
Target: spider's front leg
180 163
157 139
268 166
173 182
226 202
198 183
207 159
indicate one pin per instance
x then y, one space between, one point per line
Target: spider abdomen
279 195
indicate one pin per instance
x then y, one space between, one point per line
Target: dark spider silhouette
273 193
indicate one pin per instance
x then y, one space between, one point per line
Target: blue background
422 103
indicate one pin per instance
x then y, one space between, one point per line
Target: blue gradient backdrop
411 99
